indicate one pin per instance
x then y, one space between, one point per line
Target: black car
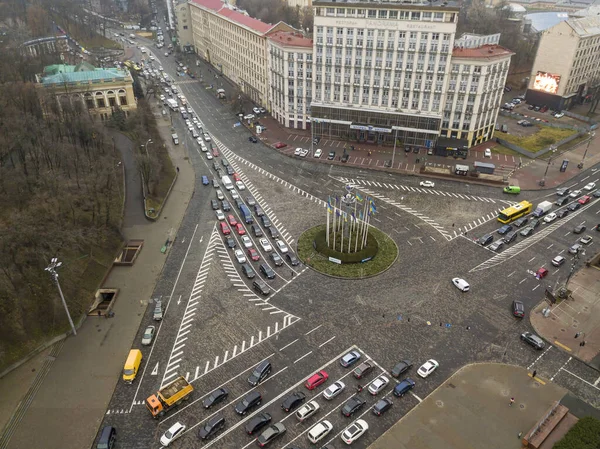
401 368
292 260
510 237
251 201
520 222
216 165
505 229
252 139
293 401
535 223
256 230
276 258
239 202
562 213
257 423
261 287
248 271
353 405
563 192
213 425
345 158
486 239
265 221
215 397
214 204
574 206
518 309
230 242
579 229
526 232
382 406
225 206
331 156
596 194
260 373
225 162
267 271
273 232
251 400
562 201
271 433
258 210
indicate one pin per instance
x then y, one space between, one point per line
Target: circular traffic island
379 253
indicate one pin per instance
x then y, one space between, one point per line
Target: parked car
404 387
378 384
533 340
400 368
219 395
352 405
307 410
354 431
427 368
518 309
148 335
382 406
461 284
350 359
334 389
174 432
316 379
362 370
274 431
257 423
293 400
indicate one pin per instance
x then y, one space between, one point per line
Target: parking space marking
324 343
289 344
314 329
304 356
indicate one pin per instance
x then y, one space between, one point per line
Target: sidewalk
578 316
471 410
81 379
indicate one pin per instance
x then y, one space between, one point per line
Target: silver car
333 390
158 312
148 335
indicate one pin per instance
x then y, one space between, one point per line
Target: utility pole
54 264
592 134
394 152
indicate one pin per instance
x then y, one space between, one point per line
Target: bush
583 435
368 252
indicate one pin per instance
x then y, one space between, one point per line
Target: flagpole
349 233
356 242
334 221
342 239
328 213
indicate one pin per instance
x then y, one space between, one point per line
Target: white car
304 153
220 195
266 245
427 368
319 431
487 152
559 115
318 153
234 194
590 186
307 410
427 184
174 432
354 431
256 111
247 241
461 284
378 384
239 255
575 193
334 389
281 246
240 185
148 335
550 217
209 156
298 152
162 98
220 214
191 127
206 137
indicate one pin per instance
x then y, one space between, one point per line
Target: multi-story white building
567 64
290 67
234 43
474 93
381 69
299 3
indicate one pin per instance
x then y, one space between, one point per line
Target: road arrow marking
179 300
155 370
201 238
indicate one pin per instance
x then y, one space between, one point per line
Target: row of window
384 14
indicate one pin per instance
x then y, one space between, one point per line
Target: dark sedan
382 406
353 405
215 397
573 206
257 423
271 433
401 368
293 401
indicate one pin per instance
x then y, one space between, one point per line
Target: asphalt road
216 328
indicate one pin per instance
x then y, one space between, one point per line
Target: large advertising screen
546 82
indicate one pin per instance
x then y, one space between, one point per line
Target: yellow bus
515 211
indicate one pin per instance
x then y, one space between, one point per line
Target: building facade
560 82
99 91
381 70
183 24
477 78
235 44
290 67
299 3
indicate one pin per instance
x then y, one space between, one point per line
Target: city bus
515 211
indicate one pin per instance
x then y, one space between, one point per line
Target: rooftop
593 10
483 52
396 4
223 9
289 39
62 73
585 26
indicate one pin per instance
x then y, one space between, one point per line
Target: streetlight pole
592 134
394 151
543 181
146 146
54 264
574 264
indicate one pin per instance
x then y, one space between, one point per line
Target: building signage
371 128
334 260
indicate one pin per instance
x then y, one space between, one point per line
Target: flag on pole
359 197
329 208
373 208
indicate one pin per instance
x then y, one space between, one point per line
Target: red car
232 221
584 199
236 177
240 229
279 145
253 254
215 152
541 273
225 229
316 379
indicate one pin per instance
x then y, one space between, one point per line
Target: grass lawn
545 137
386 256
500 149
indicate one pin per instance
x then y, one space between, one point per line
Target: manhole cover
521 406
439 403
536 384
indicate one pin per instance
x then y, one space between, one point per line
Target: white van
227 182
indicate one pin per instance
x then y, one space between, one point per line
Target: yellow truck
169 396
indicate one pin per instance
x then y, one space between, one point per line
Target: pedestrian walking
582 343
533 374
512 400
577 334
177 169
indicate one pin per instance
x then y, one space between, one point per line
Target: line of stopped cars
262 424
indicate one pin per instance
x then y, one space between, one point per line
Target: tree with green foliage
583 435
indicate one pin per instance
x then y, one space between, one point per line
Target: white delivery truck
175 139
172 104
227 182
542 208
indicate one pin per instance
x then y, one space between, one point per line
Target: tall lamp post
552 150
592 134
146 146
394 151
574 264
54 264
